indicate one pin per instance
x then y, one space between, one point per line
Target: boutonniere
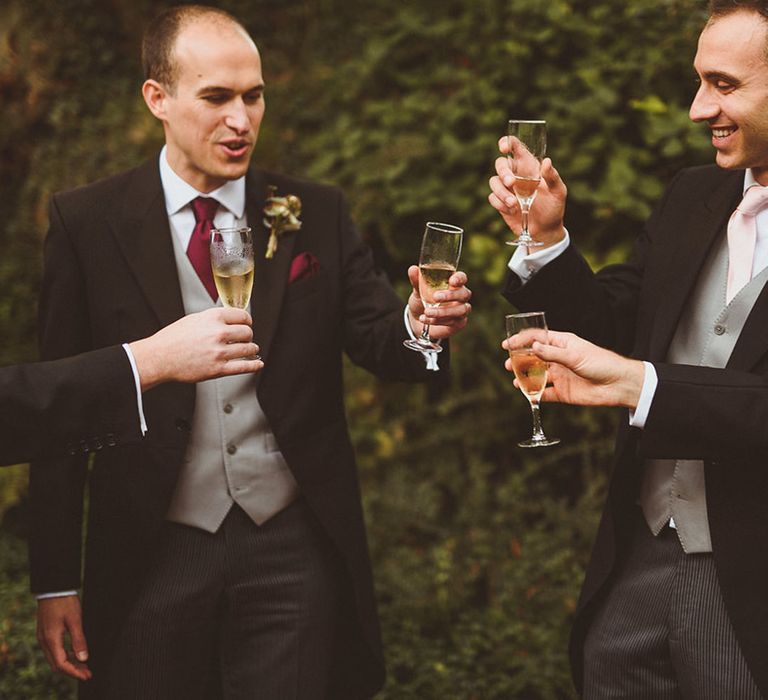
281 214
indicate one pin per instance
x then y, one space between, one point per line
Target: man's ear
155 95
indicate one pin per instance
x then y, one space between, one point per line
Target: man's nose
237 116
704 107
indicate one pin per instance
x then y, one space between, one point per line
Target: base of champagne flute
422 346
521 241
545 442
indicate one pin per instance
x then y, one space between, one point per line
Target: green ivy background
478 547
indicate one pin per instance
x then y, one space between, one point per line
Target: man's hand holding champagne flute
439 304
546 216
582 373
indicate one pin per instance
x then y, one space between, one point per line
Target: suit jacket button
97 444
231 449
182 425
84 446
71 448
111 439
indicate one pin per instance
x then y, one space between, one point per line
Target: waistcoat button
719 329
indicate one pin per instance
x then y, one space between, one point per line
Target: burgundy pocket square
303 266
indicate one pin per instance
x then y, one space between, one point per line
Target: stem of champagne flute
538 432
425 326
524 213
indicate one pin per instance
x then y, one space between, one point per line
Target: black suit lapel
144 236
270 276
709 210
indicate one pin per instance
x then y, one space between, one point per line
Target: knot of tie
204 209
755 200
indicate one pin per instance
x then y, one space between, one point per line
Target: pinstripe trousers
662 632
247 613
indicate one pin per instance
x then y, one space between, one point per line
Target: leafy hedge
478 547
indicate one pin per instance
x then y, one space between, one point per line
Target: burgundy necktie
198 251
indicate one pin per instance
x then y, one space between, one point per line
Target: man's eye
252 98
723 86
215 99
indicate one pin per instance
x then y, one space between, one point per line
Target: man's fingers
552 353
502 192
449 297
457 280
454 310
552 178
235 316
242 366
79 644
503 170
238 351
413 277
60 661
237 333
504 144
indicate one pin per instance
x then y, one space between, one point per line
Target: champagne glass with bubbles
438 260
527 140
530 370
232 265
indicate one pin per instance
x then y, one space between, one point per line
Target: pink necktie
198 250
742 237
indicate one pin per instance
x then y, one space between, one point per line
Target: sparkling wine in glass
527 147
232 265
438 260
530 371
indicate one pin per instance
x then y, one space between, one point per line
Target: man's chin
728 161
234 171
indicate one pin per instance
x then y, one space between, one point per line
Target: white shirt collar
179 193
749 179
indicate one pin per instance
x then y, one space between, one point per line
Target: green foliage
24 672
478 547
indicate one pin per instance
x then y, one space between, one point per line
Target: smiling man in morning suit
226 555
675 598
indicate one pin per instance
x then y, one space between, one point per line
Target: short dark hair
160 36
718 8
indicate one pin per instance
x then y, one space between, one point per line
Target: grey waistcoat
705 336
232 456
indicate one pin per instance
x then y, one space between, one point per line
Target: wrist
146 363
549 237
631 384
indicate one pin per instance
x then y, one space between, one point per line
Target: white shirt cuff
137 382
638 417
430 356
525 265
55 594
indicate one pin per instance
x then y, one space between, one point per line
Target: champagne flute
438 260
232 265
530 370
527 146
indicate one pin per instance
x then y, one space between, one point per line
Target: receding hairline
213 18
160 42
716 15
